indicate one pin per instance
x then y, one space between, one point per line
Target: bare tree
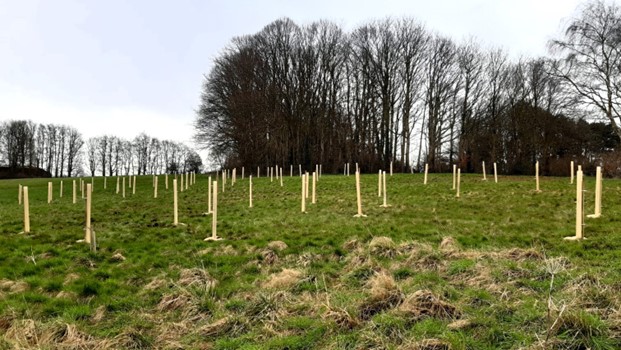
591 51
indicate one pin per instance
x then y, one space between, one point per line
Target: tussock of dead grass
351 245
423 303
427 344
156 283
28 334
343 319
412 248
227 325
277 245
182 300
448 245
197 278
383 247
269 257
287 278
117 257
13 286
131 339
384 294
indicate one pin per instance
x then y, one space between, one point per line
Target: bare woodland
393 90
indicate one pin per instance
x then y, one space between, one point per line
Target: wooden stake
214 217
166 180
458 182
391 168
277 171
300 169
74 192
123 186
357 169
495 173
281 180
271 171
155 188
117 185
454 176
105 183
313 198
175 211
358 196
181 178
87 229
379 183
319 170
242 173
60 195
209 197
26 210
385 205
347 169
579 209
484 174
134 186
307 187
426 171
19 194
187 183
303 193
92 184
537 176
291 170
49 192
571 171
598 193
258 172
250 192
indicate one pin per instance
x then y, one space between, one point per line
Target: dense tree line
62 151
54 148
110 155
392 90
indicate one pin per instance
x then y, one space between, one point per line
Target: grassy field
488 270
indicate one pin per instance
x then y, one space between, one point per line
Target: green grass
174 290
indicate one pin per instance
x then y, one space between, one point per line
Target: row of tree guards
308 188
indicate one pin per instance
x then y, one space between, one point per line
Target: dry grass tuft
459 324
65 335
99 314
71 277
343 319
412 248
182 300
287 278
169 334
423 303
227 250
518 254
156 283
383 247
227 325
131 339
117 257
23 334
351 245
269 257
13 286
277 245
385 294
198 278
427 344
448 245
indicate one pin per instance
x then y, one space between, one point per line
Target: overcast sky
122 67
